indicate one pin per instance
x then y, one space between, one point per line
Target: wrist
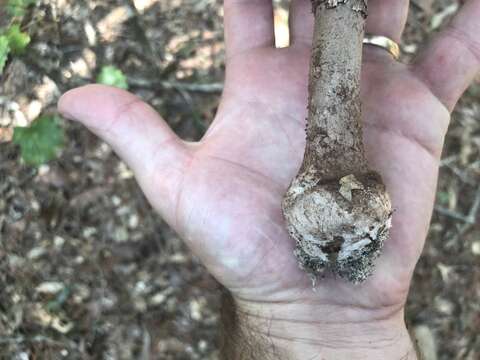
298 331
383 339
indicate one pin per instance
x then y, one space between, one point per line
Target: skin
223 194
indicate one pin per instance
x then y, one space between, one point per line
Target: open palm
223 194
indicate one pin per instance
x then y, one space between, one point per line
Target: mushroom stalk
337 208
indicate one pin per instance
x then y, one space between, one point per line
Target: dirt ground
88 271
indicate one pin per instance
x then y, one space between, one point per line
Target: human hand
223 194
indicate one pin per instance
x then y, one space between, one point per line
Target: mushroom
337 209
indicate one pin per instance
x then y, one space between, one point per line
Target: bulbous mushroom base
339 225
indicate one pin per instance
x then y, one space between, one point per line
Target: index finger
248 25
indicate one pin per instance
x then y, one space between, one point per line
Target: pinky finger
451 62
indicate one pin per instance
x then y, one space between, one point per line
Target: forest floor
89 271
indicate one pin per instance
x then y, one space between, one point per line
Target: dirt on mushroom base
355 225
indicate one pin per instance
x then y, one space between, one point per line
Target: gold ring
384 43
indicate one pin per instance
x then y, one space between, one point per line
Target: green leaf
4 51
17 8
17 39
41 141
111 75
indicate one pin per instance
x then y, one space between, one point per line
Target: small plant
12 39
17 39
112 76
41 141
4 51
17 8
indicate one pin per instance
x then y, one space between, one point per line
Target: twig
449 163
453 214
448 160
469 347
462 175
207 88
469 220
475 207
188 99
146 344
34 339
141 33
175 85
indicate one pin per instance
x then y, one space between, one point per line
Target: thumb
137 134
